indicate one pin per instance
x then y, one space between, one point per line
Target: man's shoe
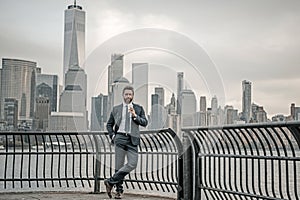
108 188
118 195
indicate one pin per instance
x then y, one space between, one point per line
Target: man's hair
128 87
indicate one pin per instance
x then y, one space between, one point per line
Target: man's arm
110 125
140 118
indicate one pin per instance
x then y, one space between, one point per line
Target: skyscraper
179 89
47 86
18 81
202 120
140 84
246 101
99 112
161 95
74 37
188 107
115 72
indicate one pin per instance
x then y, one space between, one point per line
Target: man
123 128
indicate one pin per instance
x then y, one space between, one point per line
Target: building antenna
75 3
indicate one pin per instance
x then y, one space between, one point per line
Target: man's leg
132 159
119 162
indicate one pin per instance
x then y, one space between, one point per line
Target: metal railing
252 161
39 160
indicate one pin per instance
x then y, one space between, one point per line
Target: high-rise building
115 72
42 112
74 37
179 89
99 112
47 86
259 115
18 80
140 84
295 112
214 111
188 107
246 101
11 113
161 95
158 113
202 115
231 114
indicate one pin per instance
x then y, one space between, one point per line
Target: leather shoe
108 188
118 195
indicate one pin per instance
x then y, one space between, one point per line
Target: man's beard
128 100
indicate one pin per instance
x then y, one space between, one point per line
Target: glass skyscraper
74 37
18 81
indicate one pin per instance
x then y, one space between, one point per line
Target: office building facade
18 81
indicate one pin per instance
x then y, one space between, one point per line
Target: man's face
128 96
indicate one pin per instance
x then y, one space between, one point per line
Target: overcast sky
256 40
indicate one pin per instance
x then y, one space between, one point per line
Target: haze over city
252 40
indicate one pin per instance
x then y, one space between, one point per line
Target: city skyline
261 47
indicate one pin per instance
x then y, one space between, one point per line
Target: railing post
97 166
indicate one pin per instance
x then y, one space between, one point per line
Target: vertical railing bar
22 159
96 169
66 160
74 160
279 166
253 160
52 158
86 155
152 163
168 150
14 161
162 139
45 157
247 159
80 157
207 141
6 158
37 160
59 157
29 160
220 139
141 159
287 164
212 141
169 137
241 160
147 159
272 161
158 159
229 133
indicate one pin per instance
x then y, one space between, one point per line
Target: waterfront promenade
72 196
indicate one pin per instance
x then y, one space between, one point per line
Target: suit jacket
115 118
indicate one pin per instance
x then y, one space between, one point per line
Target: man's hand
132 111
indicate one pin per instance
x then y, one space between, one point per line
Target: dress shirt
122 125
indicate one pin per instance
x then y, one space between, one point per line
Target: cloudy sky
256 40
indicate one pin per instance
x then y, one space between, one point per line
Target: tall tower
115 72
161 95
246 107
140 84
179 89
74 37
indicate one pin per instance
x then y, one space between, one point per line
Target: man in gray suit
123 128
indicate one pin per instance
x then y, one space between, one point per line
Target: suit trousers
123 147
